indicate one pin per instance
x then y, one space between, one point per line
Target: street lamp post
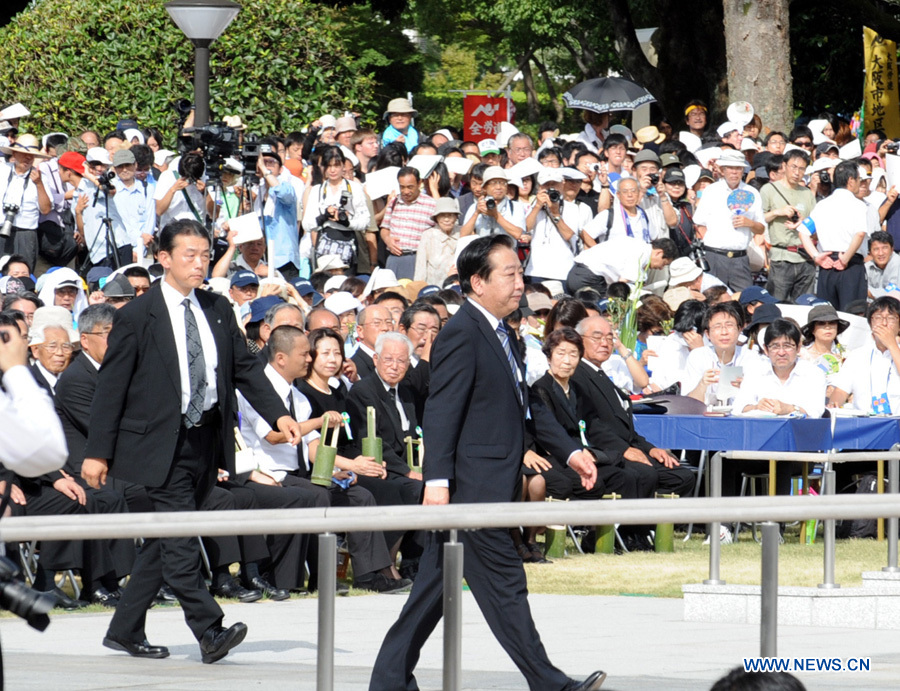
202 21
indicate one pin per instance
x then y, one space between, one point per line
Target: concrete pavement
642 643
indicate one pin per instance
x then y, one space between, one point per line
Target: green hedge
79 64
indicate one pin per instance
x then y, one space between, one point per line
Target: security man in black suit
475 420
163 416
612 428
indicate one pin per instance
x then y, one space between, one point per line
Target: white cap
334 283
328 122
132 133
727 127
328 262
823 164
232 164
342 302
572 174
447 133
730 158
864 174
97 154
549 175
384 278
161 156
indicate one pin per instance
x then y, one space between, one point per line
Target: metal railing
327 521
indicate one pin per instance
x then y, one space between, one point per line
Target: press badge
881 405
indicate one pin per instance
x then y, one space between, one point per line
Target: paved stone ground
642 643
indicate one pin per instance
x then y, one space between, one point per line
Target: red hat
73 161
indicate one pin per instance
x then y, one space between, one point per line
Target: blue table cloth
699 432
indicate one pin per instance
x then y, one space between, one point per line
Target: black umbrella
606 94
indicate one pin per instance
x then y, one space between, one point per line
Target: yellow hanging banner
882 103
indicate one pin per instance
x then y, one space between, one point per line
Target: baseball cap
118 287
73 161
122 157
674 175
669 160
488 146
98 154
302 286
260 306
244 278
757 294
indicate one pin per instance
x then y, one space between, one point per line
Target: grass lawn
662 575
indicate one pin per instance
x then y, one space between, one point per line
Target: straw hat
26 144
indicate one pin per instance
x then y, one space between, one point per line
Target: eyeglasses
104 334
885 318
379 322
391 362
781 347
421 329
599 337
57 347
799 169
727 326
118 300
522 149
805 145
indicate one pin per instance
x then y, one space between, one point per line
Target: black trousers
840 288
368 550
22 241
174 560
398 491
286 553
496 577
582 277
96 559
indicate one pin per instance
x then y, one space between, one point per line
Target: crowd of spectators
723 263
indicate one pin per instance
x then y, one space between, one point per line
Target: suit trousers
368 550
496 577
840 288
175 561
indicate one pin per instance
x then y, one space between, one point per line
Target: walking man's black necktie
196 367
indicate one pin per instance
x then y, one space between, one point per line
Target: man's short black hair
136 272
143 155
475 259
800 131
550 152
22 295
572 148
547 126
796 153
391 295
408 170
615 139
55 141
774 133
191 166
15 259
115 134
782 327
282 340
730 308
688 316
845 172
668 247
584 154
174 229
477 171
406 319
884 303
881 236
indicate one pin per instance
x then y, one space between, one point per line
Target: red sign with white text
482 116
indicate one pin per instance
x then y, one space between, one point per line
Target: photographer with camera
842 223
785 203
660 211
24 198
495 212
134 202
554 225
97 220
334 209
276 203
180 193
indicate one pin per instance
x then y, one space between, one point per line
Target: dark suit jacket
418 377
136 414
612 427
364 364
74 395
549 392
369 391
39 378
474 421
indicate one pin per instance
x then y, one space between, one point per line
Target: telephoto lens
491 203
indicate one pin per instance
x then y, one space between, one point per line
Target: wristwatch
556 219
626 353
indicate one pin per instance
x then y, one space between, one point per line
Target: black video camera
217 141
698 254
105 179
490 203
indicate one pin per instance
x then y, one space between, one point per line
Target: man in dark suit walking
475 421
163 416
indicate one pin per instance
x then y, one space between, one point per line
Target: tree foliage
82 64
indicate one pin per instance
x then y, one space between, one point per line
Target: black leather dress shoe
165 596
217 641
233 590
135 649
101 596
63 601
270 591
592 683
